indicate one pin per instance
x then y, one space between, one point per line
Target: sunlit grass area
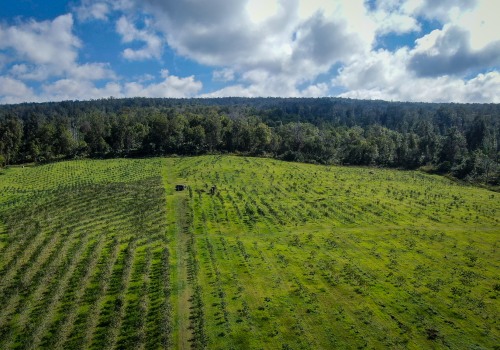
106 254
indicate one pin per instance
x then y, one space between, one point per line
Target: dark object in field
180 187
432 334
213 190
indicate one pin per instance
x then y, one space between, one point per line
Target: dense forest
461 140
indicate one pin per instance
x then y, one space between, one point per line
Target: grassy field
106 254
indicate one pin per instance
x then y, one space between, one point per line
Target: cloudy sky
401 50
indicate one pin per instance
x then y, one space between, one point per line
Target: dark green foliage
461 140
84 262
100 254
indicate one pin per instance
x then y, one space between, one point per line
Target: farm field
106 254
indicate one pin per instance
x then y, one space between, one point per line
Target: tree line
457 139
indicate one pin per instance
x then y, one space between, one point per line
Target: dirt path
177 211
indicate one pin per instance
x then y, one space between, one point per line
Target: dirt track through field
177 203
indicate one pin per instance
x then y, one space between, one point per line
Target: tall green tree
454 148
11 138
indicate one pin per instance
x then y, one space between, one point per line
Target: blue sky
403 50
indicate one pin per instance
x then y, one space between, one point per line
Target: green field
106 254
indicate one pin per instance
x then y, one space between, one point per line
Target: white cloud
75 89
48 49
225 75
19 69
442 10
481 22
440 66
316 90
381 68
46 42
385 75
274 46
482 88
477 17
144 78
261 10
394 22
129 33
171 86
279 48
269 48
89 11
232 90
91 71
324 42
71 89
448 52
353 12
259 83
15 91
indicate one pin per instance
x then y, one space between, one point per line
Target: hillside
462 140
106 254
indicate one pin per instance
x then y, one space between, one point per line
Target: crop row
314 257
87 267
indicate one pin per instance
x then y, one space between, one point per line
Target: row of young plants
281 255
85 259
308 257
341 198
